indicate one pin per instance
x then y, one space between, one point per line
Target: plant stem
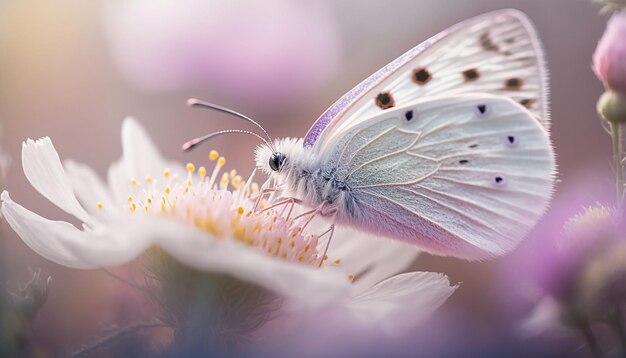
618 325
592 342
115 335
616 136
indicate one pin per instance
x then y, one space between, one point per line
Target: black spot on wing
385 100
487 43
471 75
421 76
528 102
513 83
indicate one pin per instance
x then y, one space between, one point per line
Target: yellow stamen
338 262
167 172
202 171
168 190
240 210
135 183
221 162
133 207
351 277
237 181
191 168
148 179
100 205
213 155
232 173
130 199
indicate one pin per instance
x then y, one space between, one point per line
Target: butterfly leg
261 194
320 210
287 201
331 232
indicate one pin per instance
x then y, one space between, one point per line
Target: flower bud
612 107
609 59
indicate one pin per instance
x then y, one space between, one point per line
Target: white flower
194 217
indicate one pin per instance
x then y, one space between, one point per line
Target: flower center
228 208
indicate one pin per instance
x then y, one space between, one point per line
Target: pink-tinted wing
496 53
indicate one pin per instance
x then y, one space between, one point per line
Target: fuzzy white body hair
304 176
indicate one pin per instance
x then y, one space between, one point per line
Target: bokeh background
73 70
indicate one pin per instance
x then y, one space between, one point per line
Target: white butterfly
446 148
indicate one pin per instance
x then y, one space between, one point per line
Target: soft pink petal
197 249
401 301
609 59
370 258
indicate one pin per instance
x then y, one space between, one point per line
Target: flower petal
119 182
545 318
401 301
42 235
305 284
44 171
88 187
61 242
141 157
368 257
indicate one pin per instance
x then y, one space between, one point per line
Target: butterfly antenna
194 102
194 142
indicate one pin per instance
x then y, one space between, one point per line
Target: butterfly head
285 156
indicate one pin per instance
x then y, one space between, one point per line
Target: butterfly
446 148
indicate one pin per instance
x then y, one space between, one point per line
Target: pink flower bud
609 60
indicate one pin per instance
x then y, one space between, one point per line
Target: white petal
123 241
141 157
88 187
119 182
305 284
44 171
401 301
61 242
44 236
368 257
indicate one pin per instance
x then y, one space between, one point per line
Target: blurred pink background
60 76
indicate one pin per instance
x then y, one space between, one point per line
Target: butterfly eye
276 161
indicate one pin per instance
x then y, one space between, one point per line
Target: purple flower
609 59
264 54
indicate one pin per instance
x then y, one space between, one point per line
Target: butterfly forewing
464 175
496 53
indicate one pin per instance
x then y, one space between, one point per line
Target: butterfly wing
497 53
465 175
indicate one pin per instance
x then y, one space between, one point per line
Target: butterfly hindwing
497 53
466 175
